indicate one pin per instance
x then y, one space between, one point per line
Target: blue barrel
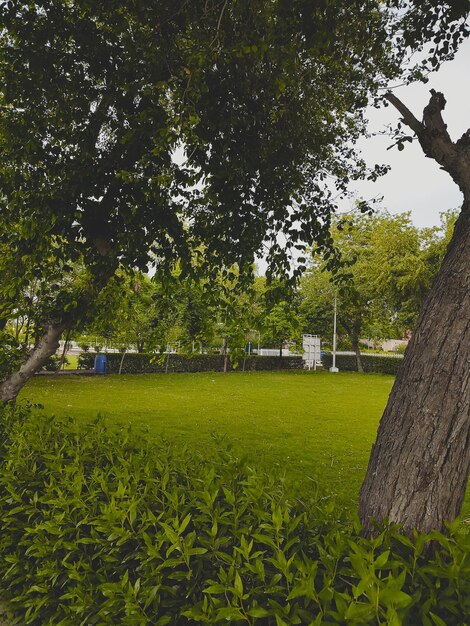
100 364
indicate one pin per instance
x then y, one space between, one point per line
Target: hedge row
100 527
150 363
370 363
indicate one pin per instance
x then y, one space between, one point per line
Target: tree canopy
165 134
145 133
138 133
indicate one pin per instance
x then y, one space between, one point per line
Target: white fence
275 352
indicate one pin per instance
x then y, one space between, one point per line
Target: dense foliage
99 527
388 267
96 100
135 311
10 354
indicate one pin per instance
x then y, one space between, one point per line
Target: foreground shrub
11 354
54 362
99 527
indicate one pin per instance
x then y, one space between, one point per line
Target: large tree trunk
47 346
420 462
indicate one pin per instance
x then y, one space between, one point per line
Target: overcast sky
415 183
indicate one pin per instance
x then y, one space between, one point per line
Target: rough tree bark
419 465
47 346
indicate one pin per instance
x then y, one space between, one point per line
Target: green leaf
216 588
258 611
238 586
395 598
436 619
382 559
229 613
359 610
393 619
184 524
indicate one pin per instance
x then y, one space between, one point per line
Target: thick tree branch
47 346
432 117
408 118
464 140
435 140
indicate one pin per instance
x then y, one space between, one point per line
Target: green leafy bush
53 363
370 362
11 354
138 363
86 360
100 527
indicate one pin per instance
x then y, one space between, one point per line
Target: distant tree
350 288
435 241
195 312
281 325
403 262
388 265
126 311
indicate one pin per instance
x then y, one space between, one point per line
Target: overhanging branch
433 136
408 118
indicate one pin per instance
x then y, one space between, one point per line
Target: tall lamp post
333 367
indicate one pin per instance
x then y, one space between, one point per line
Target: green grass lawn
72 362
313 425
